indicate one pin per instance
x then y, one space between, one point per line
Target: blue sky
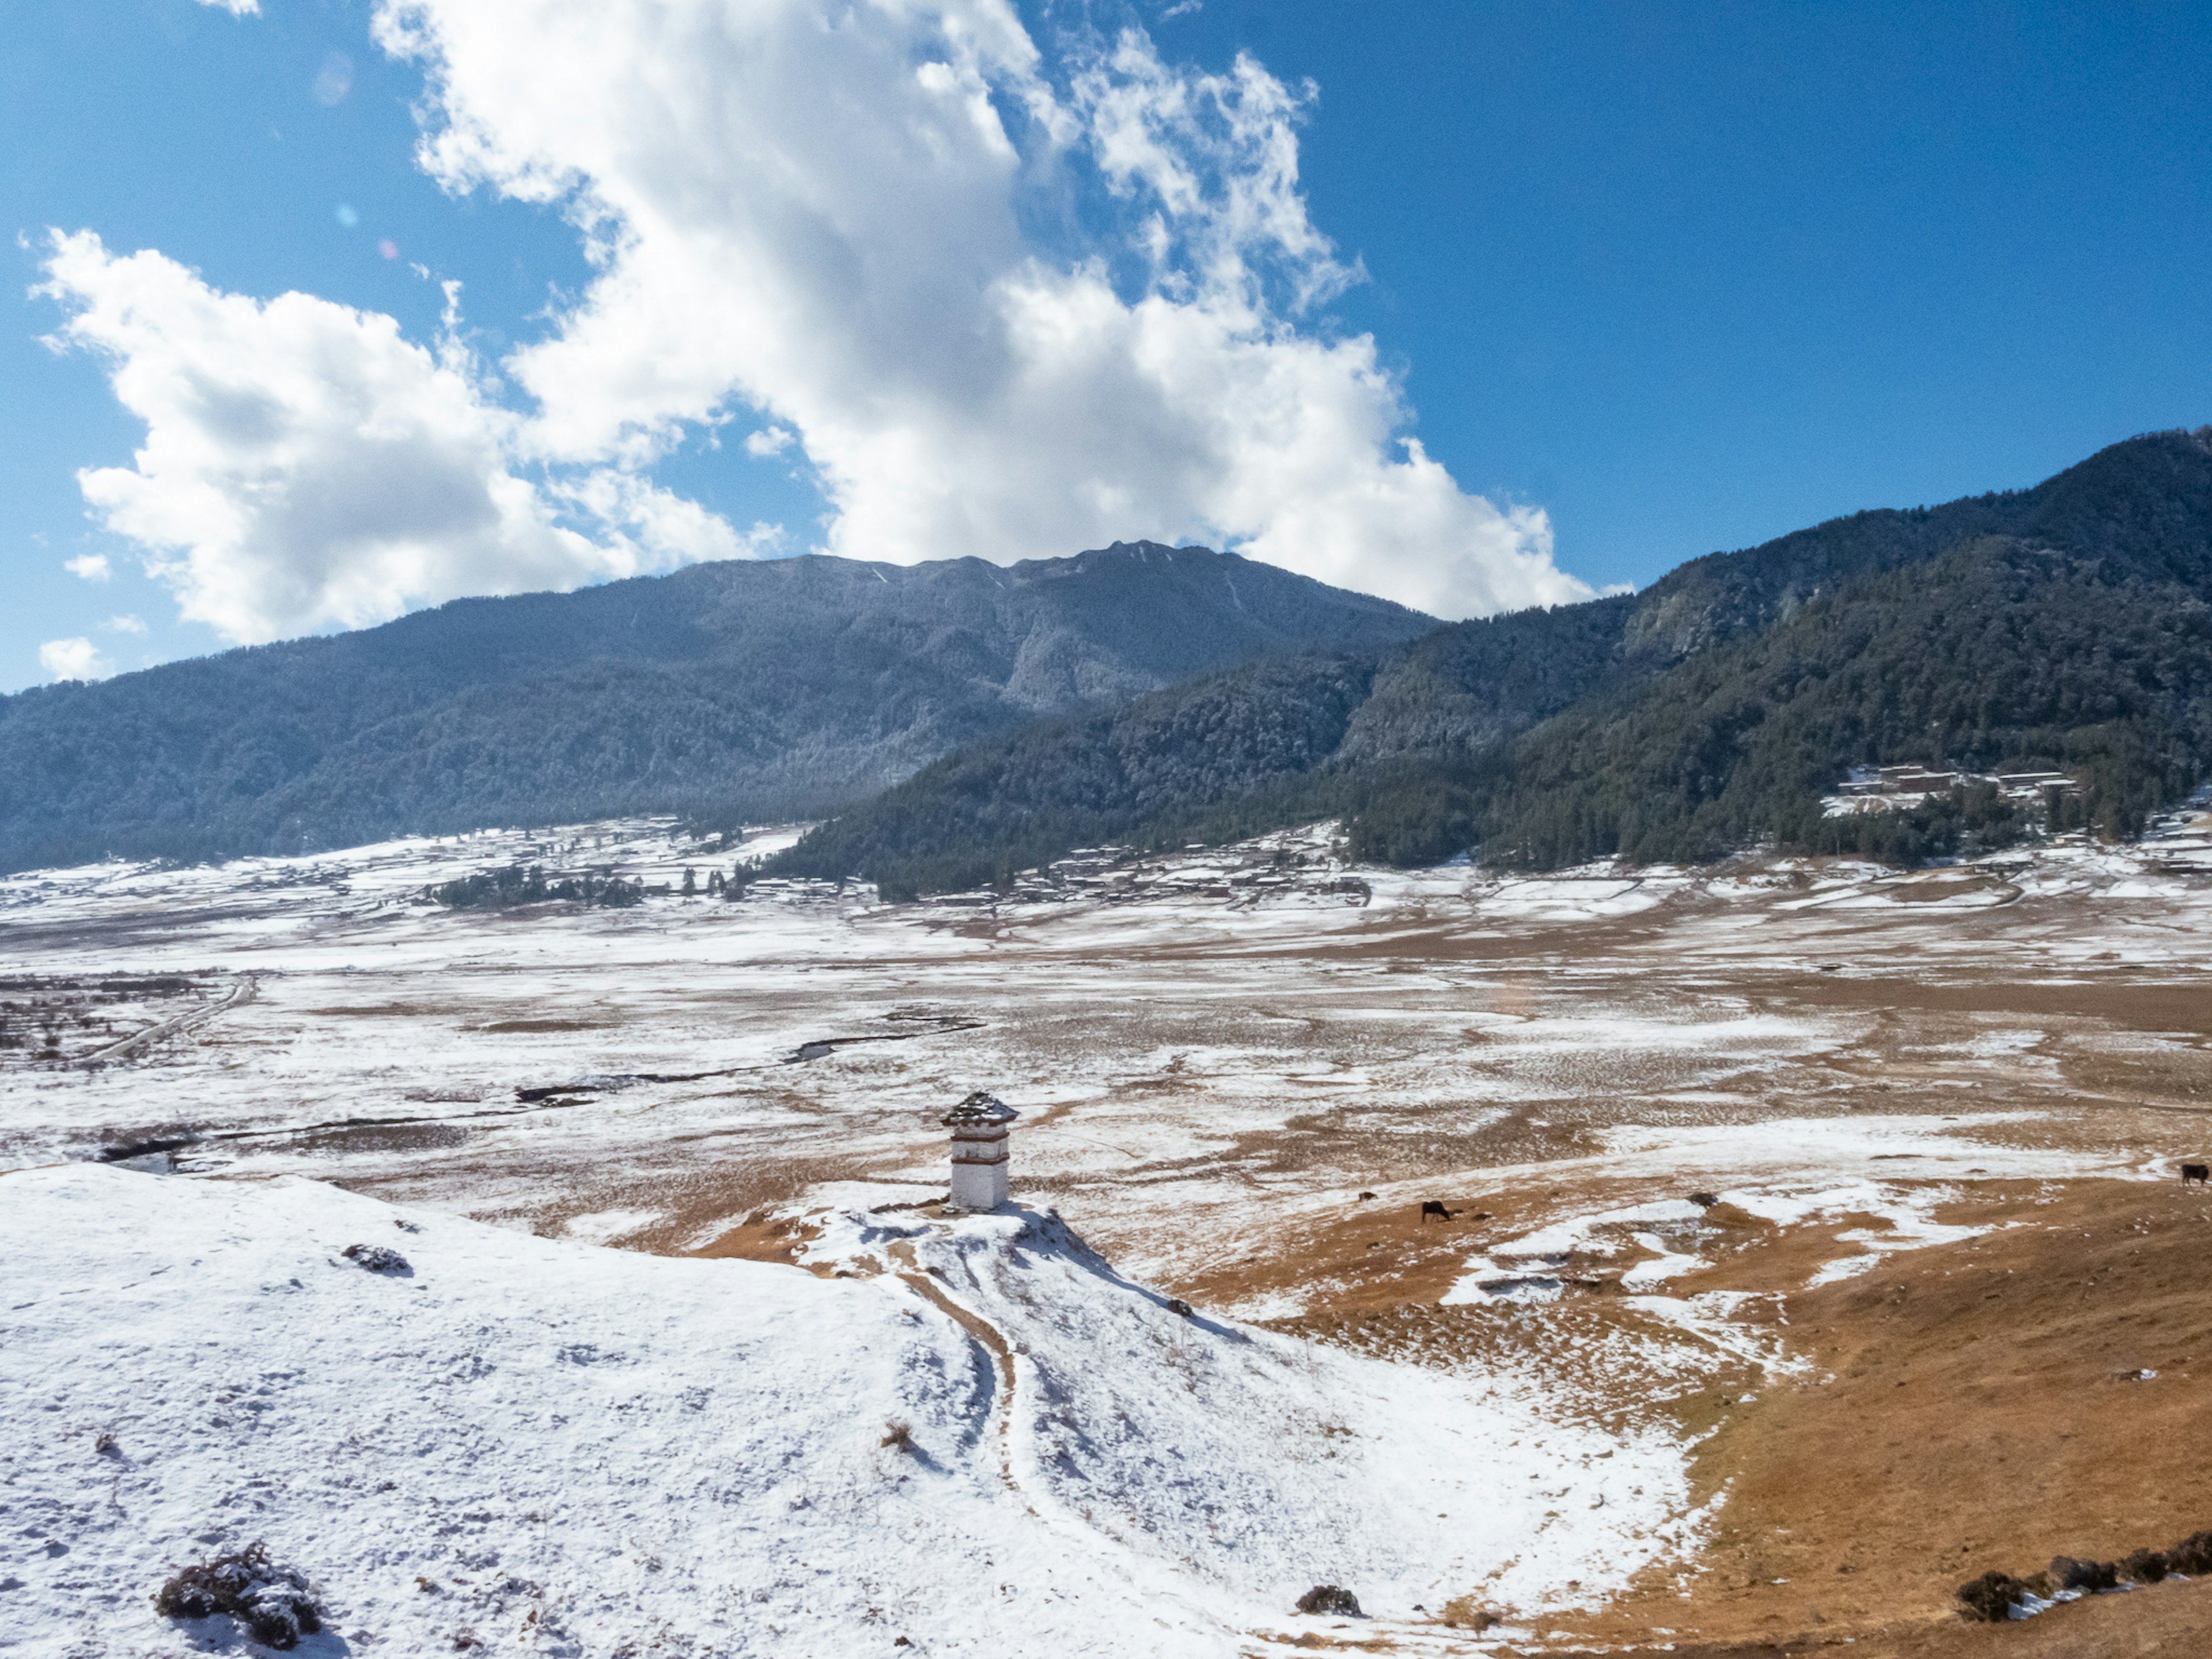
1648 281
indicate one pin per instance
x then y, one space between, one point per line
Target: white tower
979 1151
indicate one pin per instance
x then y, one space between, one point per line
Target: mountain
2064 627
759 690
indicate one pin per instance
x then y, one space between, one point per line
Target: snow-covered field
591 1451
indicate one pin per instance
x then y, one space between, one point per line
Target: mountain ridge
1509 731
773 689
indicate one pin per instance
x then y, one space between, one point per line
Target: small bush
377 1258
2069 1574
1461 1613
272 1603
2192 1555
1990 1597
898 1434
2145 1567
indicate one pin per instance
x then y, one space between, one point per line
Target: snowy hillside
543 1446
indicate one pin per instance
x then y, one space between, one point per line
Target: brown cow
2198 1172
1431 1208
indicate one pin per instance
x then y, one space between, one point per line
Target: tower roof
978 1110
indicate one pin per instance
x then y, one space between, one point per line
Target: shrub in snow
377 1258
272 1603
898 1434
1329 1598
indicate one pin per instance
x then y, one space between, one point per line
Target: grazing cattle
1431 1208
2195 1172
1364 1197
1704 1200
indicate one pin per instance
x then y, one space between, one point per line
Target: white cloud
236 8
769 440
832 219
652 529
74 660
126 624
93 567
334 79
304 466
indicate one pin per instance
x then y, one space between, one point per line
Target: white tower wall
979 1173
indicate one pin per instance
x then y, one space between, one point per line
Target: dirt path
245 988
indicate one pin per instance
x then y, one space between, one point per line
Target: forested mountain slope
2063 626
777 689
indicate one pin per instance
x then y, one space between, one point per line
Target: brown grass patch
759 1238
1968 1411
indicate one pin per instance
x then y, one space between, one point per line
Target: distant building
1895 788
979 1126
1915 780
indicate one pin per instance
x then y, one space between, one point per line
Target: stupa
979 1126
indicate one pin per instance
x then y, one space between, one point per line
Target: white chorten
978 1151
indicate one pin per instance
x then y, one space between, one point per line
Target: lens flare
347 217
388 248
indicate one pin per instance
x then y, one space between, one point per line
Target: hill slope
778 689
2061 626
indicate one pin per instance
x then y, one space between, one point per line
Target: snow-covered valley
687 1358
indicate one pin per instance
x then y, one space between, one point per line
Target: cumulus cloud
93 567
123 625
1006 304
74 660
305 466
236 8
992 300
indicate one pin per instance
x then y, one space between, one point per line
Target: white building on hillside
979 1126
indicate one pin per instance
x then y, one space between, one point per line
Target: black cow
1431 1208
2200 1172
